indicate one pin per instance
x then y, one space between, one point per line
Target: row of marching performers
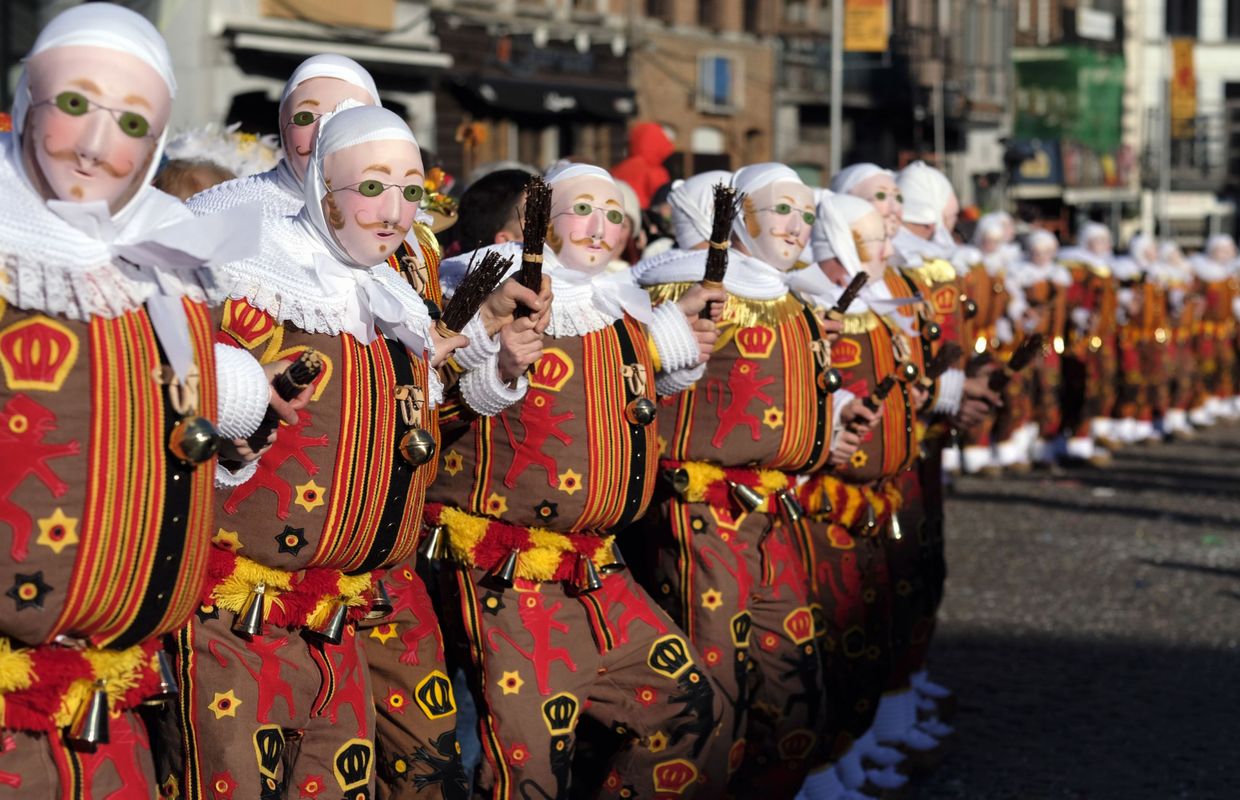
1140 347
263 450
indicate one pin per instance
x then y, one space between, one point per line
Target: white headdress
693 204
849 177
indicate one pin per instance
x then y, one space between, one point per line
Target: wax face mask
95 120
881 191
780 218
587 222
302 109
374 190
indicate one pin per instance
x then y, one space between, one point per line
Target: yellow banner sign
867 26
1183 89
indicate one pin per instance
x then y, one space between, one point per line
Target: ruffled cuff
484 392
481 346
243 392
670 383
839 401
950 392
226 478
673 338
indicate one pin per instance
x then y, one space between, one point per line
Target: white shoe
888 779
1201 416
1102 428
868 749
976 458
951 460
1080 448
825 785
939 730
1144 431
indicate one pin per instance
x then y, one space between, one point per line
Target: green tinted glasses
784 209
614 216
372 188
881 196
303 118
76 104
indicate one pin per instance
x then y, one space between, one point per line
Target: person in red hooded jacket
649 147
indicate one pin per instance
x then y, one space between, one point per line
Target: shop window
1233 19
708 140
717 89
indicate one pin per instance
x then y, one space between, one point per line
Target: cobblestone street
1092 629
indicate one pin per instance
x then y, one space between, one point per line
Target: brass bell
678 478
417 446
435 546
587 578
193 439
168 689
505 572
381 603
249 621
789 507
617 562
746 496
641 411
908 372
89 727
332 629
970 307
895 532
830 380
931 331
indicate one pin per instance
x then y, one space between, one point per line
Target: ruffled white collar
747 277
1027 274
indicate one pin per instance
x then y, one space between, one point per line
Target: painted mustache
587 241
70 156
376 225
302 151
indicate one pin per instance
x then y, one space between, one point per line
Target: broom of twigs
727 203
948 354
853 289
534 234
287 385
476 286
1022 357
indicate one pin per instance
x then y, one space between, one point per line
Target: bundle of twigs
534 234
853 289
476 286
1022 357
727 204
287 385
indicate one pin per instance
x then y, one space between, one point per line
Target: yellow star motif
570 481
773 418
227 540
658 742
383 632
662 446
57 531
510 682
859 459
224 704
453 462
712 599
497 504
310 496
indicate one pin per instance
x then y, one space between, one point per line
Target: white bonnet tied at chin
330 65
693 207
833 236
992 226
110 27
1093 231
926 193
1041 239
849 177
345 128
750 179
567 170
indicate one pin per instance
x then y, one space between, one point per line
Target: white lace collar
1209 270
295 280
1027 274
747 277
78 261
1082 255
913 251
275 190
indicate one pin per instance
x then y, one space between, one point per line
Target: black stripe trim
634 492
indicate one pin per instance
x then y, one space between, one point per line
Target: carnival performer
728 562
1040 288
111 400
1140 307
849 507
1183 310
1215 271
528 502
273 648
1090 361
